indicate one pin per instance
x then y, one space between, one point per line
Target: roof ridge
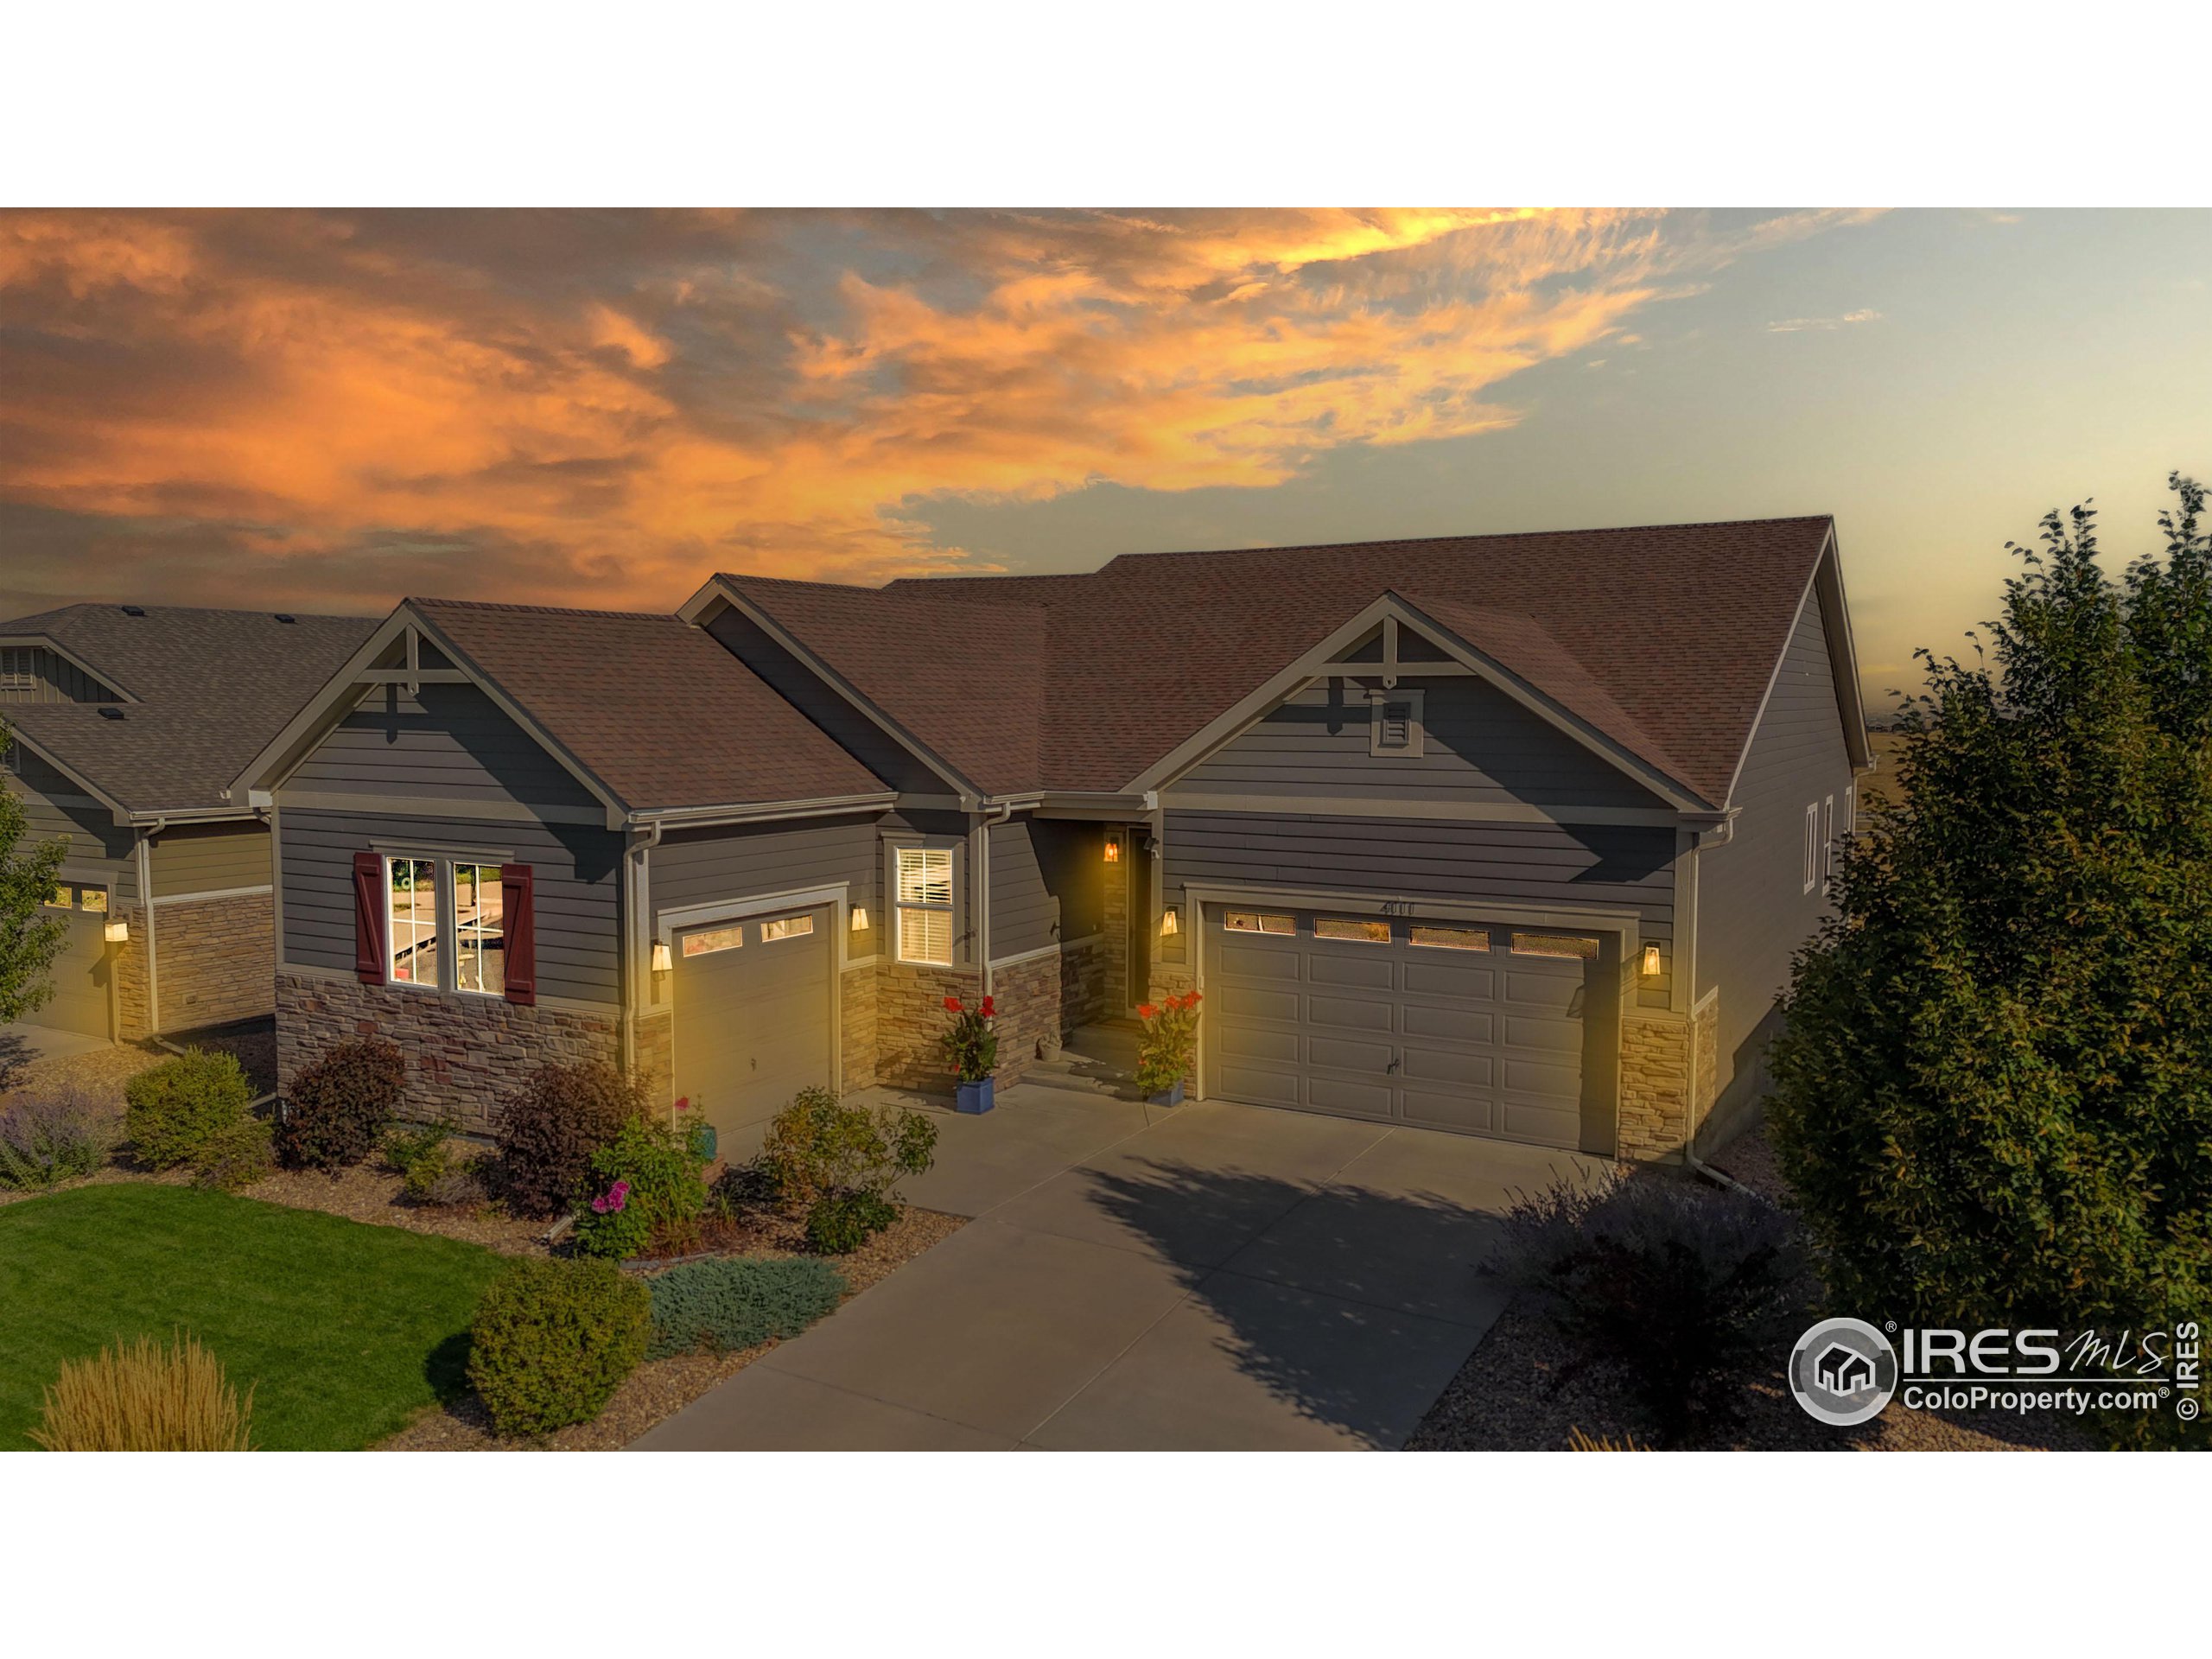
1457 536
541 610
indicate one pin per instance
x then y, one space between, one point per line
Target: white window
410 887
1827 841
1812 846
479 930
1453 938
706 941
1851 809
1330 927
923 898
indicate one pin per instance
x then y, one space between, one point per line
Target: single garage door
1441 1025
752 1013
80 1002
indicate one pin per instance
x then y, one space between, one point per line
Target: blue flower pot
975 1097
709 1142
1174 1097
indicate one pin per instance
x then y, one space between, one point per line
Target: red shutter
369 957
518 925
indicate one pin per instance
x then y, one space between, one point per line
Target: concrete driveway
1214 1277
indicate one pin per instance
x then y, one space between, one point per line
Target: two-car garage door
1444 1024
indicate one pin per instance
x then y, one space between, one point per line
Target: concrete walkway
1213 1277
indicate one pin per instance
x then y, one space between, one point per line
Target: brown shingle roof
966 677
213 688
657 710
1663 637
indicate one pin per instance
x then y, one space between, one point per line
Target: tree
1993 1093
31 936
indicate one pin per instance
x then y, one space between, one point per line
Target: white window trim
445 917
1827 842
450 908
1851 809
952 912
1812 845
440 920
1416 730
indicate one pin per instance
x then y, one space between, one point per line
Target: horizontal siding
452 742
210 858
100 849
576 881
700 866
1753 910
1047 884
1528 865
1479 745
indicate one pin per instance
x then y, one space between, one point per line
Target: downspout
1004 811
146 897
1688 969
634 980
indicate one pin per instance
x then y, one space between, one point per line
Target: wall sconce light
1112 849
1651 961
860 919
1168 927
661 961
118 932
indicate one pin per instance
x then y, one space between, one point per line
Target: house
1844 1370
129 723
1508 835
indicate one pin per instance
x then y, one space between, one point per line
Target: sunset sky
330 410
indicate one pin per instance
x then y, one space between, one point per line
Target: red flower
1145 1010
953 1004
988 1010
685 1104
1195 1000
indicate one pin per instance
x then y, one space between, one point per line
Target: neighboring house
1509 835
129 722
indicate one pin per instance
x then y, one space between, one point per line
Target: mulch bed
1521 1390
660 1388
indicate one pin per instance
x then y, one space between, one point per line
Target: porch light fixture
860 919
118 932
661 961
1651 961
1112 849
1169 927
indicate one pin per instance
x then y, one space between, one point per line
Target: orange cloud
778 393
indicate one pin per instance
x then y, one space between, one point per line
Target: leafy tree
1994 1096
30 936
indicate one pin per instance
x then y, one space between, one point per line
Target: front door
1141 920
754 1019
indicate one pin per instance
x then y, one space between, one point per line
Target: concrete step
1082 1079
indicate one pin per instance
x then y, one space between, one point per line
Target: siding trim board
1331 806
415 806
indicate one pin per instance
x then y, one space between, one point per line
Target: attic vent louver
286 616
134 610
109 711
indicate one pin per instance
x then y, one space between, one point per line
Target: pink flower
613 1199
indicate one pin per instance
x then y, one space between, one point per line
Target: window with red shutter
518 922
368 918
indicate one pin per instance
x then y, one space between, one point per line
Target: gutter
679 818
638 928
146 900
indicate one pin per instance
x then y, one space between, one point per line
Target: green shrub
650 1188
837 1223
552 1340
549 1128
819 1145
49 1138
176 1109
337 1107
423 1157
235 1158
723 1306
1989 1095
1691 1294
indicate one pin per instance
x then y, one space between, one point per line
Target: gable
1480 748
31 673
449 744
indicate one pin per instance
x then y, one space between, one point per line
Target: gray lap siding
1047 884
698 867
576 870
450 743
1753 910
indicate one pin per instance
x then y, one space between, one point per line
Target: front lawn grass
346 1331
